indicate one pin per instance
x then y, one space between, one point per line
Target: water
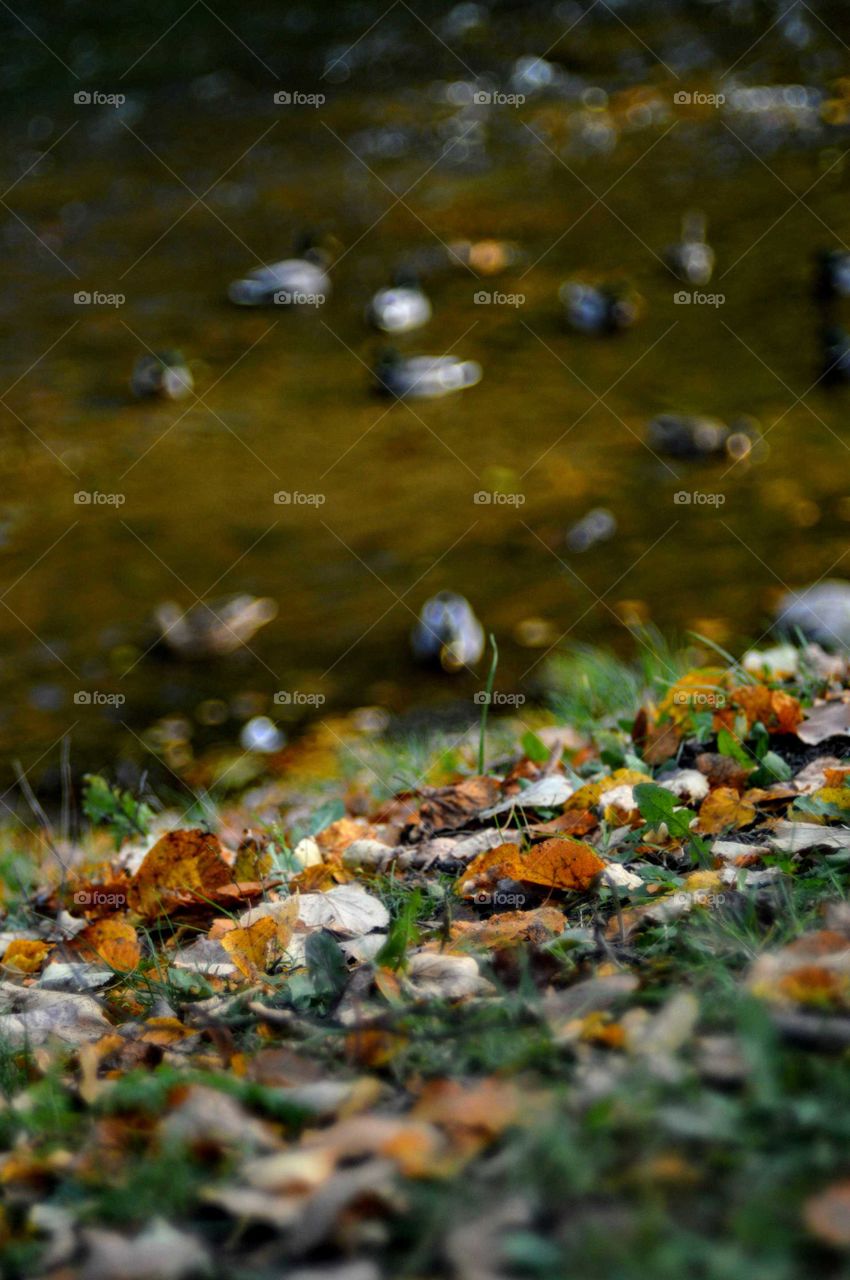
590 175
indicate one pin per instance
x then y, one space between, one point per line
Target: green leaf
107 806
658 805
728 745
325 815
536 750
325 964
403 933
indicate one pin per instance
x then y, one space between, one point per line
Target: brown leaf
723 771
113 940
722 809
449 808
827 1215
510 928
250 947
253 860
181 862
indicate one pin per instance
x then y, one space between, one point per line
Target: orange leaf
777 710
250 948
510 928
113 940
26 955
723 809
502 863
562 864
186 861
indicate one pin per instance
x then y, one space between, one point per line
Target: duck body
447 633
291 282
425 377
399 309
210 631
694 436
692 259
164 374
835 346
599 309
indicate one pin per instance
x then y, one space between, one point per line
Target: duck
164 374
599 308
215 629
692 259
835 348
424 377
447 633
697 436
402 307
832 274
299 281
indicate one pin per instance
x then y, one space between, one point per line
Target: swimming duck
599 309
209 631
832 274
835 347
163 374
425 377
400 308
299 281
448 633
686 436
692 259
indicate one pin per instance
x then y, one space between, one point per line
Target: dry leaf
181 862
26 955
250 948
449 808
510 928
777 710
723 809
111 939
562 864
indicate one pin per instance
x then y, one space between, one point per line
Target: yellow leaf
26 955
250 948
113 940
180 863
723 809
588 795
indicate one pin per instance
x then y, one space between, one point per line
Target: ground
562 996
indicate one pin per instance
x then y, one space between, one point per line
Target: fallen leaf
562 864
346 910
723 809
26 955
251 948
587 797
159 1252
253 860
827 1215
449 808
31 1015
434 975
181 862
111 939
825 721
776 709
545 793
510 928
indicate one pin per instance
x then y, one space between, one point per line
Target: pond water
200 176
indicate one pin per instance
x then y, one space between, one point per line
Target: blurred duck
164 374
425 377
599 309
832 274
400 308
835 346
692 259
447 633
299 281
685 436
210 631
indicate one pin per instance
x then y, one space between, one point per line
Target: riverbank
565 991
